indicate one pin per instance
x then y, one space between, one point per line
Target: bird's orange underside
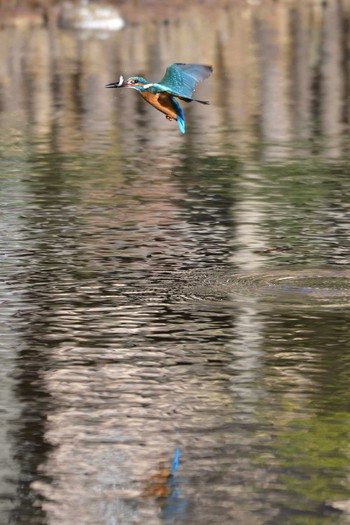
160 101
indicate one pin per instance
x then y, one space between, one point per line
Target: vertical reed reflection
332 76
301 70
273 43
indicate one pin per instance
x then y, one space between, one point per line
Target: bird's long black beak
119 84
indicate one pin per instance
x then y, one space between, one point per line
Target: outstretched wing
181 79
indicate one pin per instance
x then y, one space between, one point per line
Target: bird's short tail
175 461
181 123
180 114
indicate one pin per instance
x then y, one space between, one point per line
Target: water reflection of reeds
280 72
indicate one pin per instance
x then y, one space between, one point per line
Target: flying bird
179 82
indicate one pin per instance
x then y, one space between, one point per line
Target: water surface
175 309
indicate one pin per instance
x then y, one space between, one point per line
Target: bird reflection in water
163 487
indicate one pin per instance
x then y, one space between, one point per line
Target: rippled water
174 310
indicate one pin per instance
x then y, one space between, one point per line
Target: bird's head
138 83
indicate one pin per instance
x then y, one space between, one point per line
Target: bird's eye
132 82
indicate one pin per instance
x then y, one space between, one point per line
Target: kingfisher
179 82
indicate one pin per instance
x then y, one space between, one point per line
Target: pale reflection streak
301 71
273 42
332 82
250 213
247 353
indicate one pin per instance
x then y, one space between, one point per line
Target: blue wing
181 79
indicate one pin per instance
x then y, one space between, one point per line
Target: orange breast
160 101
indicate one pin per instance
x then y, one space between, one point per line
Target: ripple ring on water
323 287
